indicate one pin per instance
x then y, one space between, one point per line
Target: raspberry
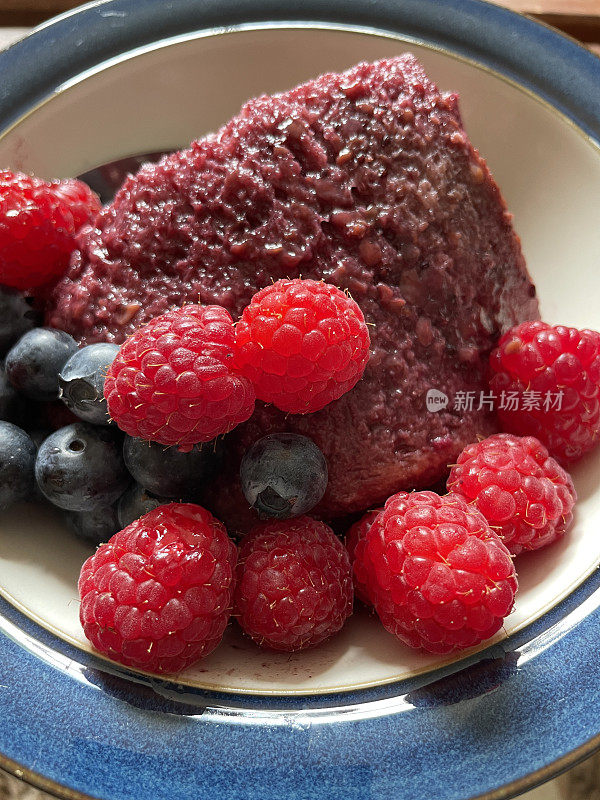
524 494
439 577
38 223
81 201
157 596
355 544
554 373
294 584
171 381
302 343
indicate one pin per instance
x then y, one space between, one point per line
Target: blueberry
80 467
136 502
33 363
16 317
166 471
17 458
95 526
8 396
81 382
283 475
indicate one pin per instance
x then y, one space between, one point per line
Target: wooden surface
577 18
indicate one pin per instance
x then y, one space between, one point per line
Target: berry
355 545
80 467
136 502
17 316
17 457
157 596
166 471
95 526
38 223
283 475
81 382
524 494
549 379
33 363
172 381
439 577
8 396
294 584
302 343
82 202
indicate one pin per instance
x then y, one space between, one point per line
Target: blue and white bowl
361 716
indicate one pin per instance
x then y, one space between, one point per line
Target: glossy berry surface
547 379
294 584
136 502
17 459
283 475
80 467
524 493
96 526
440 579
302 343
158 595
81 382
38 223
172 381
166 471
17 316
33 363
355 544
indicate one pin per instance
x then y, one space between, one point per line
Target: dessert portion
365 179
283 319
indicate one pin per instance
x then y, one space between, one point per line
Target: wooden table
577 18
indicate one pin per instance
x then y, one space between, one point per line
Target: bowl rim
69 44
544 60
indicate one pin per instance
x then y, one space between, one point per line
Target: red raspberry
537 362
294 584
38 223
524 494
302 343
355 545
157 596
171 381
439 577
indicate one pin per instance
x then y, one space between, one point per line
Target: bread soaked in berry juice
367 180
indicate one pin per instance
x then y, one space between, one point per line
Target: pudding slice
367 180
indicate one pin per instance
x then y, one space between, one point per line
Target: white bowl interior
161 98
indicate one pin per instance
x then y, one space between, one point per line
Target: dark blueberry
136 502
8 396
95 526
33 363
166 471
81 382
283 475
16 317
80 467
17 459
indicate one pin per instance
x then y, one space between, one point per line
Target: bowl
361 715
